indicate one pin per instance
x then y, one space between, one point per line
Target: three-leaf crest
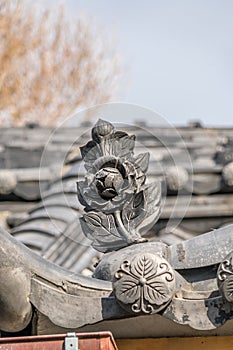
146 283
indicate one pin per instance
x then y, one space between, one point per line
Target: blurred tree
50 67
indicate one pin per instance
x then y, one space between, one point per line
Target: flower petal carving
145 284
142 160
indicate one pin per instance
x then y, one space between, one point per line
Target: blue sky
178 55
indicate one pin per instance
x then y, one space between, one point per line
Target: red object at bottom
86 341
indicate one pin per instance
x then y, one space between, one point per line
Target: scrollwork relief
225 278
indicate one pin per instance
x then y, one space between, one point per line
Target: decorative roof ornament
176 178
119 206
8 182
227 174
144 284
190 283
225 278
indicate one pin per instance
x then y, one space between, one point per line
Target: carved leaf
102 230
128 143
142 160
144 267
85 149
123 147
138 200
156 292
102 225
128 290
142 211
90 152
93 219
132 210
80 189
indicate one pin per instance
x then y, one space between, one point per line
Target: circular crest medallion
144 284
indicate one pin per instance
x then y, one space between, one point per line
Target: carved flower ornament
145 284
118 203
111 184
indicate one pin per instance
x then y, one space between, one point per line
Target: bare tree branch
50 67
